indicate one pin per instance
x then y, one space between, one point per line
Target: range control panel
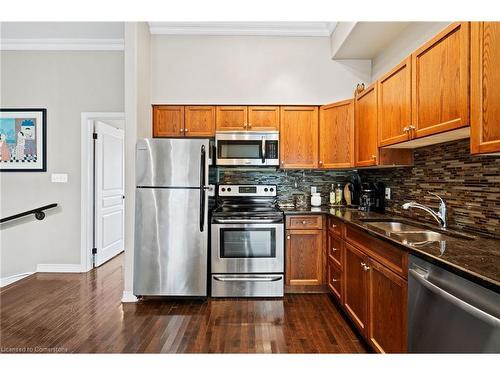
247 190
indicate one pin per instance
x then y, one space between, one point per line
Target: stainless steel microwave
234 148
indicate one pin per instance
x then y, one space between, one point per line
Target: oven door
247 148
247 248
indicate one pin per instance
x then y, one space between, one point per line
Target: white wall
250 70
139 125
66 83
412 37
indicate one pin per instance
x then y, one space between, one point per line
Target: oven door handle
249 278
245 221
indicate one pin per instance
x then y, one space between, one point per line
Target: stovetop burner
247 202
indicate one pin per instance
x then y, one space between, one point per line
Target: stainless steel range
247 242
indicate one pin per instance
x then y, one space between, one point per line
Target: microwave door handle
263 150
202 188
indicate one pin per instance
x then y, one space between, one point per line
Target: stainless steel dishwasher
449 314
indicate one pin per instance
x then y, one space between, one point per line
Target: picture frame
23 139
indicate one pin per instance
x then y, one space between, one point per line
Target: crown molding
66 44
243 28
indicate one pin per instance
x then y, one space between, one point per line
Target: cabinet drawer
335 248
334 280
304 222
336 226
387 254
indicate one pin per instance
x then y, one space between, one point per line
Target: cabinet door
304 257
199 121
336 135
387 310
366 127
263 118
485 87
440 82
394 105
356 287
231 118
334 280
299 137
168 121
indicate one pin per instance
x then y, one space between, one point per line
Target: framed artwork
23 139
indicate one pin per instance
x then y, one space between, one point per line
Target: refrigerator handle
202 188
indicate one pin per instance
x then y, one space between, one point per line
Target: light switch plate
387 193
61 178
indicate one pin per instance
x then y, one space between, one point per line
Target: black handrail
39 214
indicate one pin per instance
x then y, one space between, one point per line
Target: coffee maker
372 197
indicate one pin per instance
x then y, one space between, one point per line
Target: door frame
87 182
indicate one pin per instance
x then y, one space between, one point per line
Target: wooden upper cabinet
440 82
356 287
199 121
387 310
304 257
299 137
231 117
168 121
263 118
485 87
336 135
366 127
394 105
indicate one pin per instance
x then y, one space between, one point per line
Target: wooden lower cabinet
304 257
387 305
356 287
334 279
372 294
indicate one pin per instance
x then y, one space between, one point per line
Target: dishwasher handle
478 313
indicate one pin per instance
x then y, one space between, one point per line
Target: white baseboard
4 281
128 297
60 268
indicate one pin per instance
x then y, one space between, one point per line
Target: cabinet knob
182 130
249 125
334 249
374 156
186 130
334 280
411 127
363 264
304 222
366 268
334 226
406 129
287 237
282 162
321 162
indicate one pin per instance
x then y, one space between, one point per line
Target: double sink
413 234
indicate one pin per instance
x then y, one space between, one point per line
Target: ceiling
243 28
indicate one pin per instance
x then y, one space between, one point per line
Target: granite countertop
476 259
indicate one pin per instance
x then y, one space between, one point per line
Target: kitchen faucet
440 216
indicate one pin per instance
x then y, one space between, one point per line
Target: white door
109 192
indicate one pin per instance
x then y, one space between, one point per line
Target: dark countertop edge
458 270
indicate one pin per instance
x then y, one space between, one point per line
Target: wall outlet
61 178
387 193
313 189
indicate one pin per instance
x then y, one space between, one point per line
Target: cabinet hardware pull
334 226
334 280
320 162
363 264
287 237
334 249
249 125
366 268
304 222
406 129
374 156
185 130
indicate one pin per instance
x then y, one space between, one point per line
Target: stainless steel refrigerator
171 229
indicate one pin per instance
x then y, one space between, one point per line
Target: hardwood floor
82 313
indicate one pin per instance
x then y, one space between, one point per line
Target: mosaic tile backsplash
469 184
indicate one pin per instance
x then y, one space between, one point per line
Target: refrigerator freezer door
170 162
170 250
